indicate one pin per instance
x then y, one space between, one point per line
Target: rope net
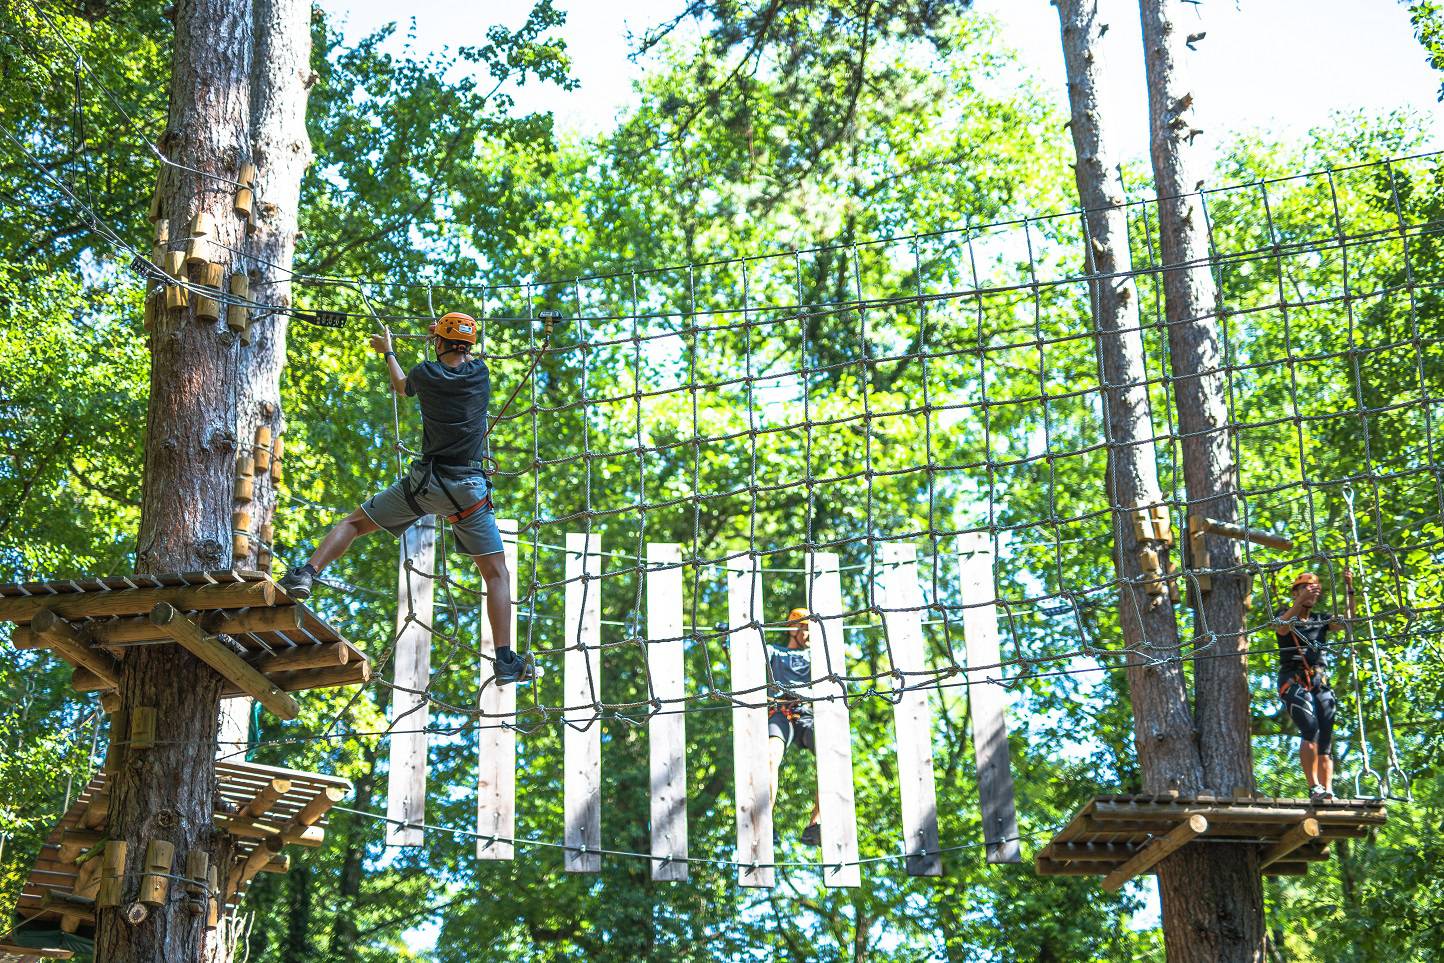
912 390
920 388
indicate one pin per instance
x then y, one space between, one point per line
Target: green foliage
846 124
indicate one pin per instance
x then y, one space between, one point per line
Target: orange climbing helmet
1304 578
455 326
798 615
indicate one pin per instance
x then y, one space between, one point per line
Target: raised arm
381 344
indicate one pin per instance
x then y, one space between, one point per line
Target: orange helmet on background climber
455 326
798 615
1304 578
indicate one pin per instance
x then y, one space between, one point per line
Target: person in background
789 718
1302 632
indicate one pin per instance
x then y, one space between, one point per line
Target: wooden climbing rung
1119 837
296 805
92 623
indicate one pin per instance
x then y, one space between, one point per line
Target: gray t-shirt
791 669
453 409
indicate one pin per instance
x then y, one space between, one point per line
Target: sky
1281 66
1276 65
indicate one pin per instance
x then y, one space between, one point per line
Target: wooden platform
1120 837
263 807
239 622
14 953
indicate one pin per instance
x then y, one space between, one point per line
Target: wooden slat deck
1110 830
295 631
238 783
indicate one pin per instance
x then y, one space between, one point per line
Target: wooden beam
244 828
129 630
318 806
1258 536
301 657
98 605
74 841
352 673
832 728
410 712
1089 852
496 739
278 864
752 774
244 871
68 904
988 698
582 693
1156 851
266 797
230 666
1305 832
74 648
284 618
912 715
667 726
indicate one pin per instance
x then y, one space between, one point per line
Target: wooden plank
411 674
1305 832
912 715
836 794
233 731
265 797
137 630
496 739
204 647
752 773
582 695
354 672
72 645
96 605
302 657
988 698
1156 851
666 729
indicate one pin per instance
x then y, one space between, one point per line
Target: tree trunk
281 150
1163 727
1223 901
280 86
165 792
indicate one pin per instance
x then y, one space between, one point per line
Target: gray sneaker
297 582
517 668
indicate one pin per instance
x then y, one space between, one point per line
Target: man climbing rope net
449 478
788 717
1303 686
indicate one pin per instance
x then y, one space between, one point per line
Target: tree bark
1220 914
281 150
165 792
1163 727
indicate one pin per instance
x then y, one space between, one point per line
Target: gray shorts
476 534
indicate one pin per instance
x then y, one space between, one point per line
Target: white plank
748 655
989 700
411 670
496 740
582 685
912 714
835 792
667 730
233 735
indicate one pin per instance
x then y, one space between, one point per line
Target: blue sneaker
514 668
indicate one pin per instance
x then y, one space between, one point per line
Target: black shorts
798 727
1312 710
